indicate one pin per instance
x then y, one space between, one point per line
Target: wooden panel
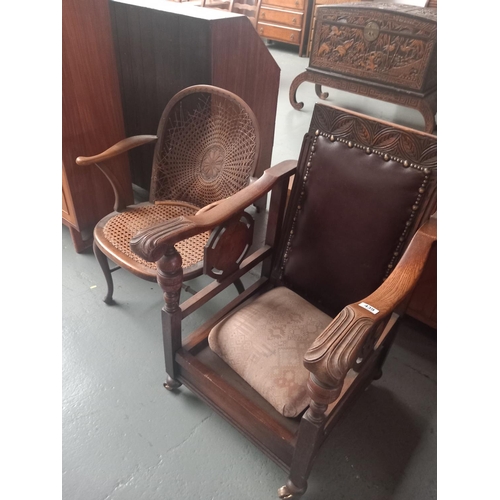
163 47
353 40
68 210
242 64
91 111
317 3
423 303
219 386
288 17
159 54
281 33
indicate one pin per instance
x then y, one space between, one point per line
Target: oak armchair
284 359
207 148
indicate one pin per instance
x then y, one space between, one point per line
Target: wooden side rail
152 243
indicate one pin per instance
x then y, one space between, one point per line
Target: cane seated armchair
206 149
283 360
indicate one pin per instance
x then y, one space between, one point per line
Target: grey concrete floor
126 438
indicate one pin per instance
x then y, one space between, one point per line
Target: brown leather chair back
358 199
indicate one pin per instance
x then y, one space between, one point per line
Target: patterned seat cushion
265 342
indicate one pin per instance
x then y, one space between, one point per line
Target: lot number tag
368 307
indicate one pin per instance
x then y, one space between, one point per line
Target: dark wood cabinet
163 47
91 116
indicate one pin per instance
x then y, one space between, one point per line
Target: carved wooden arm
152 243
355 329
118 149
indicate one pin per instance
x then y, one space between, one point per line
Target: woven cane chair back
208 147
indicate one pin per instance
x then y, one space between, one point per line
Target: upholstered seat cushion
265 342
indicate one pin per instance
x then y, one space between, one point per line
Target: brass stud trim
368 150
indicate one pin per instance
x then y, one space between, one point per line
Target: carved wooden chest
386 51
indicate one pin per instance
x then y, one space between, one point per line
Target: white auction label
368 307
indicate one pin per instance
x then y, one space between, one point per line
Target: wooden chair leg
310 432
319 92
387 347
171 384
170 281
239 286
103 262
309 438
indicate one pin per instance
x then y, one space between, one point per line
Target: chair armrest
151 243
118 149
336 349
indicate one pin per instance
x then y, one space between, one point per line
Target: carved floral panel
384 45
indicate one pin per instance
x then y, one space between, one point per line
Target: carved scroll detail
377 44
425 104
335 351
417 148
150 243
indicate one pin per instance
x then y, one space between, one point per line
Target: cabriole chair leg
103 262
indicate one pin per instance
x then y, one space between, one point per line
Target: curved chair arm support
206 208
151 243
118 149
337 348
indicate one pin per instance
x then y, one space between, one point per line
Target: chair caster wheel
290 491
171 384
283 493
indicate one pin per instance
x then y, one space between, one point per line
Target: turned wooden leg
309 438
171 384
103 262
293 90
320 93
377 372
170 279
